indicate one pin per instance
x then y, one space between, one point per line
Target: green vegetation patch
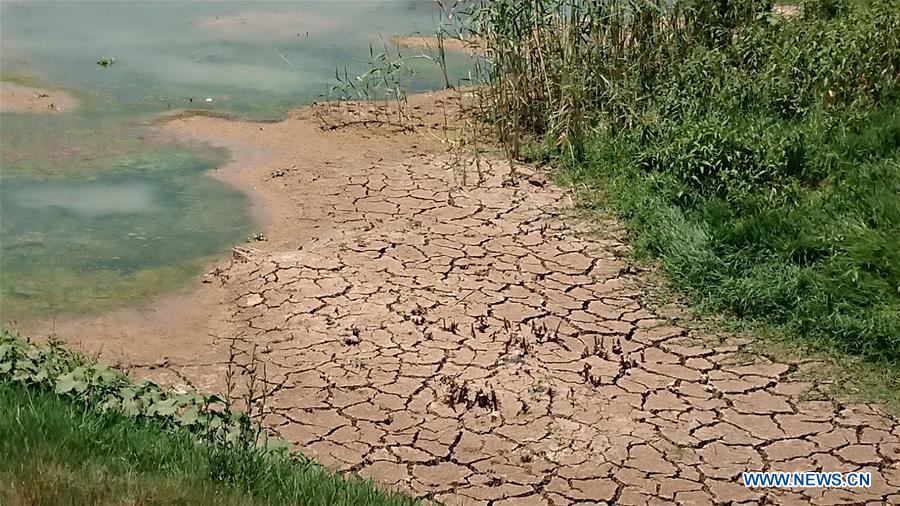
74 432
755 156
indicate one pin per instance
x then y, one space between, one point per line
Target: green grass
756 159
57 451
812 277
822 263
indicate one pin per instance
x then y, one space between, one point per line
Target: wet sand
19 98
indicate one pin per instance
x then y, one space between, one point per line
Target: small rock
538 180
252 300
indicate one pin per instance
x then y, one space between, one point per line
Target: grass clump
74 432
756 156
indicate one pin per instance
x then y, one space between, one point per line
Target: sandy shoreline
184 323
432 43
18 98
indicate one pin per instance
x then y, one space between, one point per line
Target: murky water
89 243
95 211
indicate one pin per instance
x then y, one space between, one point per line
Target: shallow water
96 212
83 244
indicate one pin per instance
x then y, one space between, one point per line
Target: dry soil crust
451 330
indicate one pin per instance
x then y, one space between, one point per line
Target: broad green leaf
189 417
65 383
166 407
131 407
112 403
40 376
189 398
107 375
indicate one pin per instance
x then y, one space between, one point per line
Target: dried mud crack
469 340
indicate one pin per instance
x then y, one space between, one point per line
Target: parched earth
452 329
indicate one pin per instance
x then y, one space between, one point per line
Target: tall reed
755 154
559 68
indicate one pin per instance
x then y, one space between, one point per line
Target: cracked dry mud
460 335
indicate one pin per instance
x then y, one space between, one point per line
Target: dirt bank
27 99
448 326
432 43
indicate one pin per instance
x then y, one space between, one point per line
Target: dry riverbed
454 330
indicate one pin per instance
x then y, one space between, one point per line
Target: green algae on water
88 243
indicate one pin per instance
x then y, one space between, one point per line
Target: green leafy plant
75 432
82 379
